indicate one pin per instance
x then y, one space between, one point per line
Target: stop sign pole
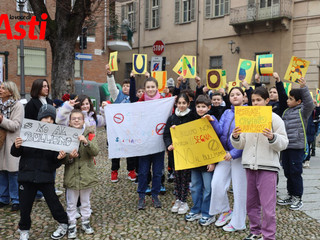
158 47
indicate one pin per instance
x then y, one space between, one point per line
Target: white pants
224 172
72 199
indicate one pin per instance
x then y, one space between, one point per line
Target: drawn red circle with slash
160 128
118 118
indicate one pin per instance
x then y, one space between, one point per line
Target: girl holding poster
260 159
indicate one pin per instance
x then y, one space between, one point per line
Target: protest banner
318 95
264 64
136 129
214 79
245 70
297 68
196 144
189 66
113 61
139 63
287 87
253 119
47 136
161 77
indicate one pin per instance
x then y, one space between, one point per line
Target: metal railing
119 32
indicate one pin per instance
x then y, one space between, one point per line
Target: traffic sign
156 64
83 56
158 47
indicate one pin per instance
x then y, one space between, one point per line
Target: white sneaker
223 218
86 227
24 234
72 231
183 209
60 232
176 206
59 192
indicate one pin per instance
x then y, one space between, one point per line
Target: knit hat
66 97
58 102
47 110
170 82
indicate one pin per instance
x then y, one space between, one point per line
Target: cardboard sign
233 84
47 136
318 95
245 70
113 61
287 87
297 68
214 79
161 77
178 67
189 66
253 119
196 144
139 63
224 78
264 64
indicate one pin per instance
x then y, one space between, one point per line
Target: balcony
255 13
119 38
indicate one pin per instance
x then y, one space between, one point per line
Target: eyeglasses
76 118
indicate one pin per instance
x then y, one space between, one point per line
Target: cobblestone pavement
115 215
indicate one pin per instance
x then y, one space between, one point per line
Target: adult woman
11 116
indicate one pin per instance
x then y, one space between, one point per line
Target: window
26 7
77 69
215 62
184 11
268 3
152 11
128 13
35 61
216 8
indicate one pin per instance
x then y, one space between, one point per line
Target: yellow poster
311 95
253 118
318 95
214 79
297 68
196 144
245 70
161 77
264 64
189 66
178 67
224 78
139 63
233 84
287 86
113 61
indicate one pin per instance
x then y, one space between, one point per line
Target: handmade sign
189 64
264 64
139 63
253 119
178 67
311 94
161 77
318 95
214 79
297 68
113 61
196 144
233 84
136 129
287 87
245 70
47 136
224 78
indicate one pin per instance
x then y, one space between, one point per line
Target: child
295 117
260 158
201 178
227 170
80 175
182 178
216 109
36 172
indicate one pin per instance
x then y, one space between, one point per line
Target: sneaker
59 192
223 219
15 207
60 232
163 190
192 217
287 201
132 175
72 231
297 203
156 202
184 208
230 228
170 177
86 227
252 237
141 204
205 221
176 206
114 176
24 234
148 191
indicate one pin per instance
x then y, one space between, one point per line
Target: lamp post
236 50
22 83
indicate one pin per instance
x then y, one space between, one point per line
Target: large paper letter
214 78
264 64
287 87
113 61
178 67
297 68
224 79
189 64
233 84
318 95
161 77
245 70
139 63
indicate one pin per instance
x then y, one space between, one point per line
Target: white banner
136 129
1 70
47 136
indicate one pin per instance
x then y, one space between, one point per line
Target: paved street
115 215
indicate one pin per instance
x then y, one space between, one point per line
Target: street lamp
236 50
22 83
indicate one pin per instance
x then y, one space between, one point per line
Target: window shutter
208 9
177 12
192 10
226 7
134 16
158 16
147 10
123 12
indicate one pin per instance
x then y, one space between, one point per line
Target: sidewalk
311 183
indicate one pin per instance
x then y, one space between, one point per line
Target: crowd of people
250 166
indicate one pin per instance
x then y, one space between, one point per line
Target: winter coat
33 106
80 172
312 126
217 111
116 95
12 125
258 152
36 165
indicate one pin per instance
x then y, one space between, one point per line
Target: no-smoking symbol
118 118
160 128
213 145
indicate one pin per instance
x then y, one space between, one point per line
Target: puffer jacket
80 173
296 119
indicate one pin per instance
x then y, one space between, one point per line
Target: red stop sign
158 47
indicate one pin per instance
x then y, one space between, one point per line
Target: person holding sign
36 172
260 158
227 170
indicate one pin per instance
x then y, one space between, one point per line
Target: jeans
9 189
157 160
201 192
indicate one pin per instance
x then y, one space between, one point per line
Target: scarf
181 114
147 98
5 108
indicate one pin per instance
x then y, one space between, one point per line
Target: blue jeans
157 160
9 190
201 192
